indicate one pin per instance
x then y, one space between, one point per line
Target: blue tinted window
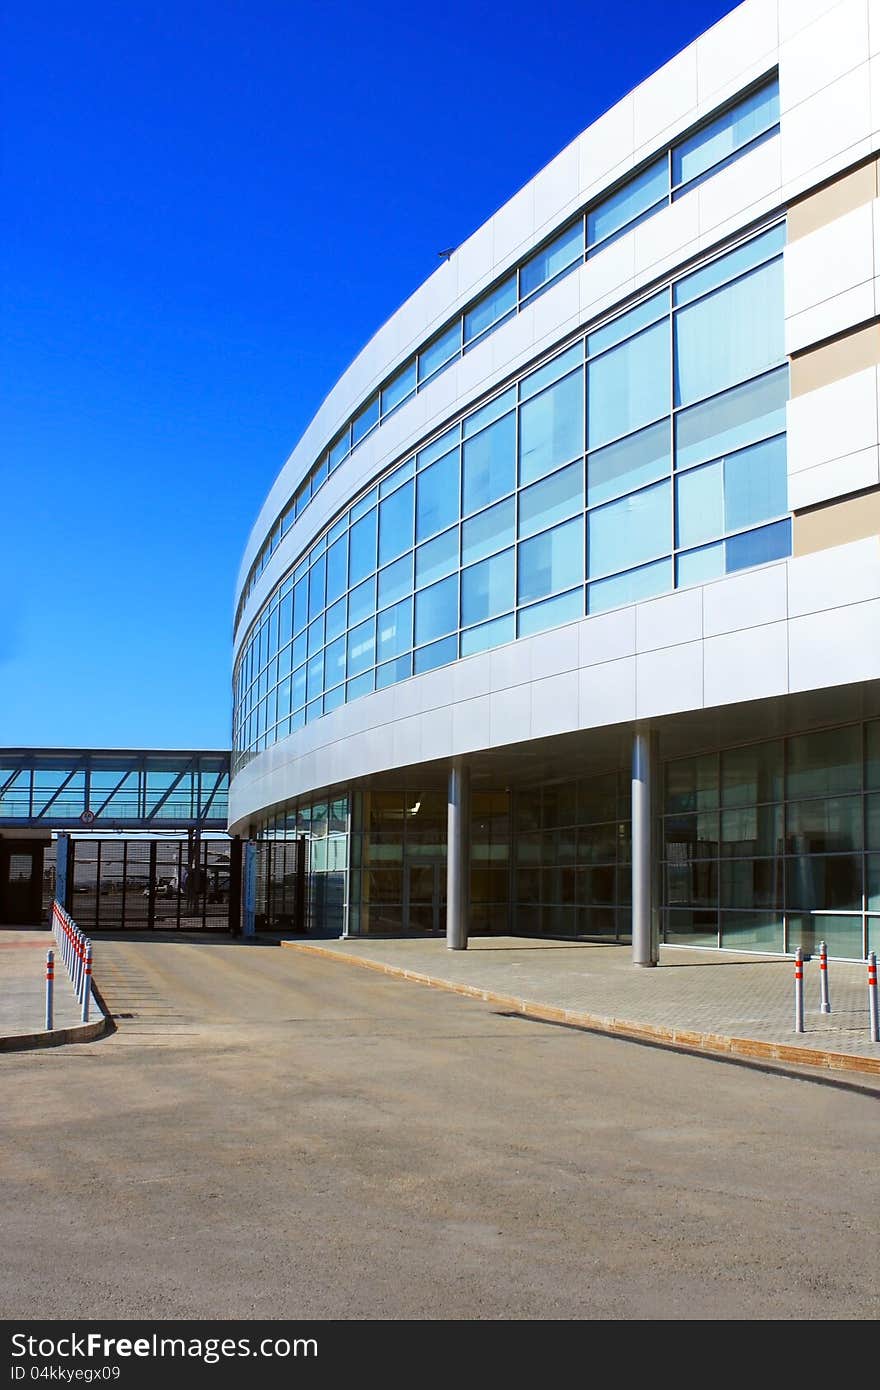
365 420
441 351
361 647
315 676
300 604
394 629
437 557
493 410
641 458
755 484
437 609
337 568
741 416
361 685
399 387
698 566
439 446
630 202
628 324
552 428
437 496
487 588
362 547
551 371
726 134
361 601
334 662
339 450
396 581
392 671
633 529
317 577
628 386
437 654
554 560
758 547
335 619
316 636
499 302
723 268
699 505
562 609
487 531
396 523
630 588
487 635
735 333
394 480
554 499
489 464
546 264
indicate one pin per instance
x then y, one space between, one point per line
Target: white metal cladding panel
793 625
830 278
829 61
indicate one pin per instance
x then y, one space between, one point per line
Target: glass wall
649 454
775 845
727 134
398 855
323 827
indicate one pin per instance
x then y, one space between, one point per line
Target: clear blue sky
208 209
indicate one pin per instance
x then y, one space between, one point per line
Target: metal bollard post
799 990
87 980
78 963
874 1021
825 1002
50 989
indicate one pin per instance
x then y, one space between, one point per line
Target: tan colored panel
836 523
833 361
848 192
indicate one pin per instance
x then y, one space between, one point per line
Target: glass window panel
300 648
337 568
392 671
551 428
437 557
691 837
487 635
828 825
396 523
441 351
437 654
316 636
362 602
437 496
500 301
487 588
637 584
315 676
363 505
617 468
735 333
437 609
334 698
554 499
691 928
399 387
692 783
285 660
339 528
335 620
555 257
361 685
872 768
758 547
632 529
748 831
334 662
551 561
819 882
824 763
487 531
873 886
872 817
400 475
396 581
755 484
725 135
626 325
699 505
362 547
394 630
752 931
735 418
562 609
489 464
752 774
285 619
365 419
317 581
314 710
551 371
628 386
319 474
299 688
699 566
842 935
633 200
488 413
339 450
439 447
751 883
361 647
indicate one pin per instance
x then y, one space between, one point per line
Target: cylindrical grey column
644 938
457 859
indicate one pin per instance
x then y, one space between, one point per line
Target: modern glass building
562 617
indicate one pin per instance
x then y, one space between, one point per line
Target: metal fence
142 885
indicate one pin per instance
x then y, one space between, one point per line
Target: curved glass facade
724 136
648 454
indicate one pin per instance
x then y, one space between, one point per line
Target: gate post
235 885
248 924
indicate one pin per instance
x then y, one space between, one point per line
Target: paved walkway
23 994
710 1001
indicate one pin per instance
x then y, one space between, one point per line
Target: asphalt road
271 1135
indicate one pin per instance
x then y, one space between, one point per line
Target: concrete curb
76 1033
685 1040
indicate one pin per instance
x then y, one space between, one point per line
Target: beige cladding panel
849 191
833 361
836 523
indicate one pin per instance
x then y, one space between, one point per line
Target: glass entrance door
425 904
